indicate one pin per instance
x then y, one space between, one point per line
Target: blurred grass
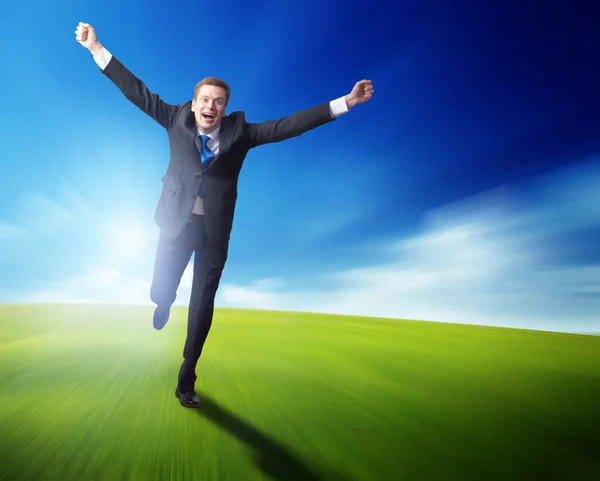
87 393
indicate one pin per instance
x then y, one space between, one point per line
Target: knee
217 254
162 295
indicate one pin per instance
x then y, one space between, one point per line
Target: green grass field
87 393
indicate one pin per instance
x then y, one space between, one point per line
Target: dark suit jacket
185 172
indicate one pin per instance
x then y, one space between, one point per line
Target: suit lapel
225 139
190 124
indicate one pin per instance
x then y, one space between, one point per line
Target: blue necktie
205 154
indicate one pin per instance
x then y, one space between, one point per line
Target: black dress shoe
188 399
161 316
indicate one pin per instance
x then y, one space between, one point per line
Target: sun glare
128 241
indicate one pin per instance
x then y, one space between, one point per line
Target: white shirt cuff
103 58
338 107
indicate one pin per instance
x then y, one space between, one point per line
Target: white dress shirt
337 107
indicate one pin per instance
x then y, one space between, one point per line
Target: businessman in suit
197 203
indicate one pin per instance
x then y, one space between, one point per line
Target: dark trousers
172 257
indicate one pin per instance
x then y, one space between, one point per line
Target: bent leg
172 257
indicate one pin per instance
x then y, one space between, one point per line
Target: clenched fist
86 36
361 92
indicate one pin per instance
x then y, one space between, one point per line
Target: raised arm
308 119
131 86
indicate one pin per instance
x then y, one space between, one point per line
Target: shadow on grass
273 459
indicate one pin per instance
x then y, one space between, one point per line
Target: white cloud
260 293
73 200
39 214
490 259
484 260
95 285
12 231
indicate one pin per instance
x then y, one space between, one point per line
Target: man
196 207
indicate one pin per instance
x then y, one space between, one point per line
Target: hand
361 92
86 36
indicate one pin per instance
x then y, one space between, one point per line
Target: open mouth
208 116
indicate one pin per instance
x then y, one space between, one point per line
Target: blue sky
466 190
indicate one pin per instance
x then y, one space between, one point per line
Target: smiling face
210 100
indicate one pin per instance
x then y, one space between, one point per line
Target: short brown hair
215 82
